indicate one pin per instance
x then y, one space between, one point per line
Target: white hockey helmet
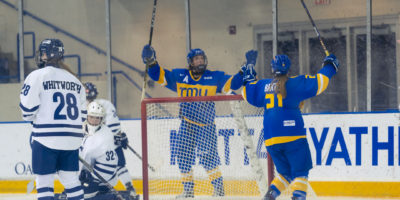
95 109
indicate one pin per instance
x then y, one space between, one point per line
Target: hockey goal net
198 140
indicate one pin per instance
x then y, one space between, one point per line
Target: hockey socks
188 185
217 181
218 187
299 188
278 185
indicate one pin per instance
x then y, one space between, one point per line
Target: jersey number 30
72 108
271 98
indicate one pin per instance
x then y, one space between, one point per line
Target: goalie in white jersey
120 138
98 149
54 101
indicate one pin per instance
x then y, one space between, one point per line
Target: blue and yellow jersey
283 121
209 84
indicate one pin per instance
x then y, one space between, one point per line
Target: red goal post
162 116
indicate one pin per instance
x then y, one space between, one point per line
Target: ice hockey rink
33 196
353 127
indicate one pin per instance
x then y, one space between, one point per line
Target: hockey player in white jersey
120 138
98 149
54 101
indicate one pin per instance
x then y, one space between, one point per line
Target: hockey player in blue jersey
54 101
197 131
284 133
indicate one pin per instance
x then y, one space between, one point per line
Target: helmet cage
95 110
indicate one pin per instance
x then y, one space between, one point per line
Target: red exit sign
322 2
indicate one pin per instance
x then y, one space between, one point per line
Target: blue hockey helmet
91 91
280 65
200 69
54 50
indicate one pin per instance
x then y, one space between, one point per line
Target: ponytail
64 66
281 85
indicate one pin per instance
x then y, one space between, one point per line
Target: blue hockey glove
85 176
249 74
331 59
251 57
121 140
148 54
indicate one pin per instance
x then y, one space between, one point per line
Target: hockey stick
140 157
109 186
315 28
153 16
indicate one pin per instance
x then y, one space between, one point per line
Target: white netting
174 129
207 131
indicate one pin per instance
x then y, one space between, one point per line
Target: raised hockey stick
109 186
153 16
140 157
315 29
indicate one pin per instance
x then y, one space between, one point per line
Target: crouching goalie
98 150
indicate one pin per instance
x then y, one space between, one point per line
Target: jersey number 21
270 97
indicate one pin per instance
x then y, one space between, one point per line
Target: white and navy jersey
111 119
54 101
98 149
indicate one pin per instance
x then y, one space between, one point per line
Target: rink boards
353 154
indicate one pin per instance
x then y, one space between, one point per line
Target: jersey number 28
72 108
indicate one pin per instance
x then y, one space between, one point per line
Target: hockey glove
331 59
251 57
121 140
148 55
249 74
85 176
